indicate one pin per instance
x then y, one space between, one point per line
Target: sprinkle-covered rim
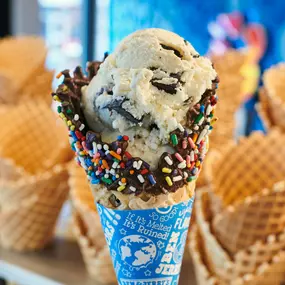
112 165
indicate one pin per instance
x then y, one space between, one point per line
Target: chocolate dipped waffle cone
27 223
97 259
28 149
88 230
259 216
20 59
143 169
245 168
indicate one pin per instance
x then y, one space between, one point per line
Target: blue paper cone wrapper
147 246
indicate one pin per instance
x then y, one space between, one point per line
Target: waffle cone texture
272 98
260 263
33 182
22 70
231 95
87 229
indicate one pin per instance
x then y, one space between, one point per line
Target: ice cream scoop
145 89
140 126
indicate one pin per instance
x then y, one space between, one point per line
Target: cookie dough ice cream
145 89
144 118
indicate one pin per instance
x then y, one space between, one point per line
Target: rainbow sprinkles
113 166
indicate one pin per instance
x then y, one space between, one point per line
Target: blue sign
147 246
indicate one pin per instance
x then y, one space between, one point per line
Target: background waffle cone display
32 140
13 193
259 216
21 59
214 254
245 168
252 265
252 259
97 260
28 224
38 87
231 95
272 98
271 272
202 272
88 230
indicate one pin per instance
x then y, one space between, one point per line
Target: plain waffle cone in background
245 168
87 228
228 67
32 139
272 97
13 193
214 254
271 110
83 202
39 87
250 260
265 112
20 58
267 273
98 261
202 272
259 216
228 267
29 224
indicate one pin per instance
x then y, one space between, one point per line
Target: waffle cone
214 254
97 259
202 272
274 81
272 98
271 272
231 96
14 192
38 87
250 261
254 219
146 201
28 223
228 65
83 202
272 110
18 54
245 168
27 148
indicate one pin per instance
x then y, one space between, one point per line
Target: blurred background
76 31
245 40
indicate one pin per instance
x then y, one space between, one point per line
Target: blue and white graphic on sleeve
147 246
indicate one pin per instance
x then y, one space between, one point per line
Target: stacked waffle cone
22 70
33 179
272 98
231 94
87 228
242 240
